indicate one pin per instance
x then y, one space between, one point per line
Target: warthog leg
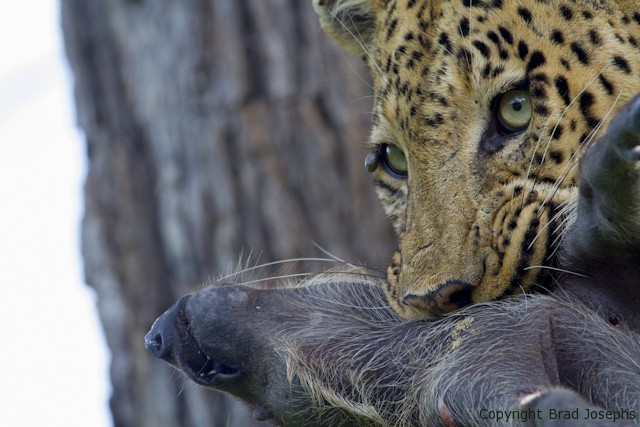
603 244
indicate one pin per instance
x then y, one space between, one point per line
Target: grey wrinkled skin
330 352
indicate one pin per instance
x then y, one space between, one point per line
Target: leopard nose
445 298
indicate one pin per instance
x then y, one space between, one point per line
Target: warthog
329 351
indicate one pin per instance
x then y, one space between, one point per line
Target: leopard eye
514 110
372 161
393 160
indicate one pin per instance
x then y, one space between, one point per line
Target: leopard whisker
573 101
368 273
280 262
551 221
276 277
569 219
564 172
535 150
591 135
584 143
330 255
562 270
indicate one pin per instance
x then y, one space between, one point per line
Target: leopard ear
349 22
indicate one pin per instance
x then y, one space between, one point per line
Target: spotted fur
480 212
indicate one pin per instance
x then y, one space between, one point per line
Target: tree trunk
213 128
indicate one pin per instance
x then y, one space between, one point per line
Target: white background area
53 360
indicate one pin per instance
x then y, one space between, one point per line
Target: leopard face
481 110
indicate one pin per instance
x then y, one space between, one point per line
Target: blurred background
144 146
53 358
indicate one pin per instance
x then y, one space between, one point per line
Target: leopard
481 110
507 176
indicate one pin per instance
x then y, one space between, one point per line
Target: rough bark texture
213 127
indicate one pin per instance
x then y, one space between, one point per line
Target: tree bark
213 128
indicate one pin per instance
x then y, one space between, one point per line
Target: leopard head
481 110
